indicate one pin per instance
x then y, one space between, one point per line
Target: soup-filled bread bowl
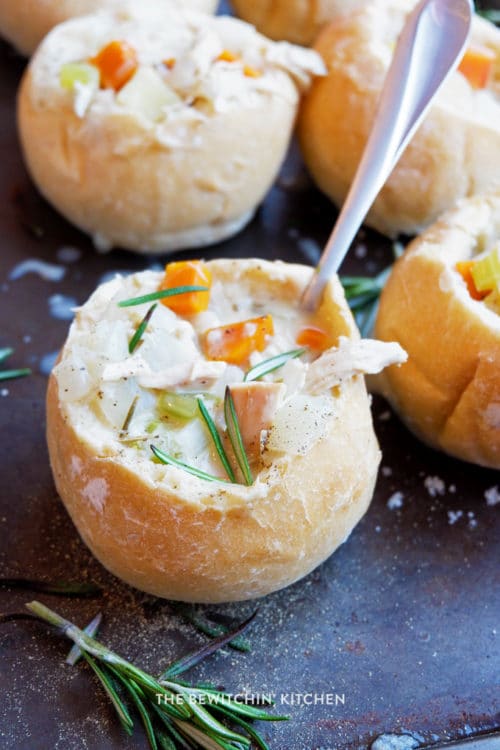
24 23
192 466
154 129
442 304
454 154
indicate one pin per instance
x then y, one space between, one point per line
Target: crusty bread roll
448 392
159 527
297 21
182 154
24 23
454 154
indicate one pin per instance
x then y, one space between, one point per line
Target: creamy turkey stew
218 380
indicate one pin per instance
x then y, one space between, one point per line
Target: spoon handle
430 45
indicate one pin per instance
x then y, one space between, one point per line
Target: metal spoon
430 45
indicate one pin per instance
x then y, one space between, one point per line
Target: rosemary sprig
174 714
5 353
271 364
162 294
165 458
58 588
216 439
234 432
136 338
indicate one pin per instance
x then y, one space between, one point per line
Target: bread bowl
297 21
448 392
166 528
24 23
454 154
176 148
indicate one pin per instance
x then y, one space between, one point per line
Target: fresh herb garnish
5 353
491 14
216 439
234 432
58 588
165 458
174 713
271 364
162 294
136 338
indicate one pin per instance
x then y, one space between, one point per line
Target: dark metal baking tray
401 626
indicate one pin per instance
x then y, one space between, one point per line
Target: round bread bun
448 392
298 21
159 527
183 153
24 23
454 154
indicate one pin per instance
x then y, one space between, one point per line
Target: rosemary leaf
491 14
186 662
5 353
169 726
271 364
11 374
128 418
91 629
58 588
136 338
216 439
189 613
200 738
170 460
257 738
233 430
207 721
137 697
121 709
165 742
162 294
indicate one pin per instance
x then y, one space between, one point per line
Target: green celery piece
78 72
486 271
180 405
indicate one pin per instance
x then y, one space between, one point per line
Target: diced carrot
187 273
170 63
235 342
464 268
477 66
251 72
314 338
117 63
227 56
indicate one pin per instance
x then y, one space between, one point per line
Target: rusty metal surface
400 629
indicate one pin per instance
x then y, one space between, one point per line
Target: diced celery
147 93
179 405
82 73
486 271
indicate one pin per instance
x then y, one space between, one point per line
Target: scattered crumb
452 488
27 339
492 496
472 520
395 501
384 416
68 254
4 392
378 529
434 486
361 251
454 516
386 471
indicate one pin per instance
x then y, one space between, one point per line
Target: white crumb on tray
492 496
386 471
434 486
395 742
395 501
384 416
4 392
454 516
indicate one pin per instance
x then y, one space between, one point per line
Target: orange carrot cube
235 342
187 273
117 62
477 66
